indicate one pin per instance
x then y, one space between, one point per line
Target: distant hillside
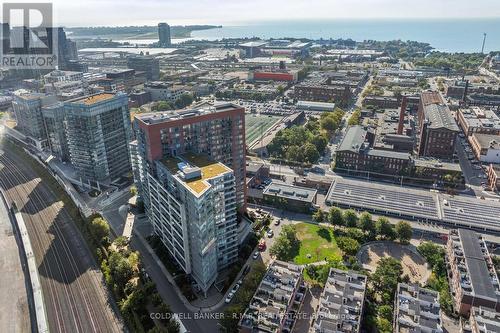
144 32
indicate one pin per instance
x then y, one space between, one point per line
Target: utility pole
484 41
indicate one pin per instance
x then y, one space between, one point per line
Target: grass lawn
317 241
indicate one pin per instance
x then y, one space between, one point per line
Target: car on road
229 297
255 255
270 233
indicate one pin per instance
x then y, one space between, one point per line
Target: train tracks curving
76 299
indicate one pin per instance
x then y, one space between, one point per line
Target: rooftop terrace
91 100
208 169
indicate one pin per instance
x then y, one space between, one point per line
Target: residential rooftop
93 99
194 170
174 115
273 299
341 302
485 320
290 191
417 310
478 276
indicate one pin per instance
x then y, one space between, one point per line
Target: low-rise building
486 147
483 320
341 303
283 75
474 281
478 120
416 309
148 64
493 174
292 197
438 170
280 292
321 90
315 106
162 91
383 102
355 154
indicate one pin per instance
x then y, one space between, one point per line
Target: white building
486 147
192 204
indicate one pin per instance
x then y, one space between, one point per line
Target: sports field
255 125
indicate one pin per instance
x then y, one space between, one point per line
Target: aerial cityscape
284 166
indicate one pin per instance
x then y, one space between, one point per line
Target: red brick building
217 131
438 129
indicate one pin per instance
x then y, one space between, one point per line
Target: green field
255 125
317 241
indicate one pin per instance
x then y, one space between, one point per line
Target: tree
350 218
355 118
285 246
163 106
385 311
183 101
404 231
133 190
99 229
294 153
385 279
350 246
328 124
120 269
310 152
319 216
366 224
320 142
335 217
384 228
384 325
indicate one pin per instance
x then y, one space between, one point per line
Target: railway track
75 297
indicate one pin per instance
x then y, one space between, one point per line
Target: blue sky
233 12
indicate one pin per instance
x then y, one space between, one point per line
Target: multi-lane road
75 296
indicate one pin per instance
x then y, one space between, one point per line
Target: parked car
255 255
270 233
229 297
277 222
235 288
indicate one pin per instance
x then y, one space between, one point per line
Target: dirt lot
414 265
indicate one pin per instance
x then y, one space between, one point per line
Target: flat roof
476 264
308 104
487 140
290 191
209 169
393 200
253 44
90 100
435 164
152 118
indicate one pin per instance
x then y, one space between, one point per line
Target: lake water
452 35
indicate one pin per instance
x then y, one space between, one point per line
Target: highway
76 299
